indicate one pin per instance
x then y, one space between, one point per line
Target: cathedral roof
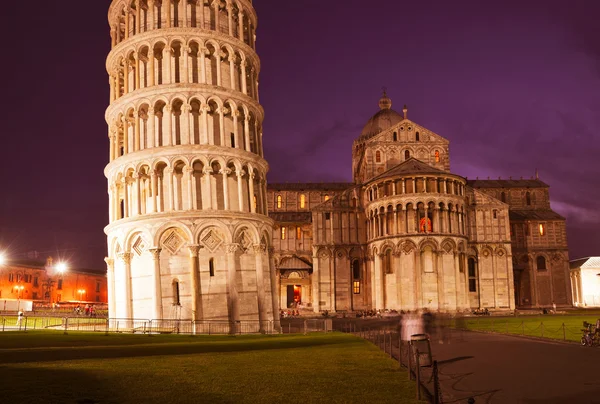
510 183
546 214
384 119
301 186
291 217
410 166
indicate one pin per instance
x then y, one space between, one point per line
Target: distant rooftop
546 214
588 262
510 183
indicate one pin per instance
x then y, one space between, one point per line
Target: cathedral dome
384 119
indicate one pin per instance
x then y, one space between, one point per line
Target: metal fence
549 330
161 326
386 335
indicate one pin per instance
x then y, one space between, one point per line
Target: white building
585 281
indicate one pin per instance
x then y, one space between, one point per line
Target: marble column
126 259
197 311
259 252
110 280
379 282
157 295
232 292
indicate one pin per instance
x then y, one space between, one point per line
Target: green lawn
562 327
45 322
45 367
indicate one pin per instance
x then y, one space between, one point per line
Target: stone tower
189 235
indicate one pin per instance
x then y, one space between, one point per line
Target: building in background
42 283
585 282
189 236
409 234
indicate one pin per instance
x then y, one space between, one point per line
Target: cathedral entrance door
294 295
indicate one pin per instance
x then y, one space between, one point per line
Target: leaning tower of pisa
188 232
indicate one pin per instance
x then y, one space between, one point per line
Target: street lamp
19 293
2 259
61 267
81 292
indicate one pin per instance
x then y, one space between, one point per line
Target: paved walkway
502 369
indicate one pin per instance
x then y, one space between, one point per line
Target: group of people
377 313
288 313
88 310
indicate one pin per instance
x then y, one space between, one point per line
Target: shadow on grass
11 356
35 385
69 386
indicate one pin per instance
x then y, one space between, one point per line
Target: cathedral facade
189 236
408 234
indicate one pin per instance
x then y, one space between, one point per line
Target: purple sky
514 86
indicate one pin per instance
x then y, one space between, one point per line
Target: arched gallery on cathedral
195 232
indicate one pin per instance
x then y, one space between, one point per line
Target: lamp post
53 272
81 293
2 262
19 294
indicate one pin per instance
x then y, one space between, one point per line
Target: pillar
166 65
110 280
157 295
259 251
225 172
196 291
316 284
275 290
379 286
168 173
126 258
251 191
232 293
240 176
154 190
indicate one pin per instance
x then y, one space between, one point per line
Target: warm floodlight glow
2 259
61 267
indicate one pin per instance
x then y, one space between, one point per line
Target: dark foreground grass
559 327
318 368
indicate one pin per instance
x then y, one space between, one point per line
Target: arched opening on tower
223 19
177 61
194 62
195 116
217 188
176 110
159 123
232 187
159 50
160 188
214 124
198 175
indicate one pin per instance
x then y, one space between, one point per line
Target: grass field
46 367
561 327
46 322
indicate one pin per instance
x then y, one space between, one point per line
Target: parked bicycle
591 334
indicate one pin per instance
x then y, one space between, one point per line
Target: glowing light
542 230
2 259
61 267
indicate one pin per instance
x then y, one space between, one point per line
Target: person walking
20 316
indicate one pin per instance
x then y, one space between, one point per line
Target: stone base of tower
194 268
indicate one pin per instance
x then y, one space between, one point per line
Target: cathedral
409 234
